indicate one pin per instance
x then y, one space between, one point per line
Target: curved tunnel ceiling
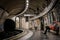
17 12
37 5
32 4
46 10
14 7
9 5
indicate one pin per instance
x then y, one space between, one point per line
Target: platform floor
38 35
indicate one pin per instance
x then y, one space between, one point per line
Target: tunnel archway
9 25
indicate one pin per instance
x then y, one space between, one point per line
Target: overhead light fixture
26 7
28 15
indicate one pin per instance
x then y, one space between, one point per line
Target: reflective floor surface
38 35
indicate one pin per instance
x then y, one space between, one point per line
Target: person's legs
46 30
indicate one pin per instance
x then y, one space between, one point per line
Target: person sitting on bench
53 27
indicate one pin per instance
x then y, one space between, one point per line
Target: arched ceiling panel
12 4
40 4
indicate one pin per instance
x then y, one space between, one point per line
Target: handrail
46 10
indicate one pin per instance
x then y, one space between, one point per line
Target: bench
54 29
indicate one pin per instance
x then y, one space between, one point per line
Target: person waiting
53 27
